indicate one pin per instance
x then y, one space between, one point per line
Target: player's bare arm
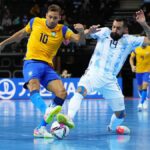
131 61
80 37
17 37
140 18
92 29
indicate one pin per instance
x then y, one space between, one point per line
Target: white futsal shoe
140 107
42 133
145 104
121 130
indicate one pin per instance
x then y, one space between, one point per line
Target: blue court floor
18 119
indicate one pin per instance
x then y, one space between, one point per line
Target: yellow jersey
142 59
44 42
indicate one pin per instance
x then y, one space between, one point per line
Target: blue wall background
12 88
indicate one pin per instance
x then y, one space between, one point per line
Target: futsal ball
122 130
59 130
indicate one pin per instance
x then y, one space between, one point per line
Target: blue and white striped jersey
109 55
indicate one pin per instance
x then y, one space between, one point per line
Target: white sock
74 105
114 122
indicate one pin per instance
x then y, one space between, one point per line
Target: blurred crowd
146 8
15 14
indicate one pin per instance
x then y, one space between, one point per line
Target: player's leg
117 118
75 101
113 94
140 90
143 82
34 87
145 85
52 82
37 100
73 107
143 101
139 78
32 77
140 106
55 86
32 83
84 87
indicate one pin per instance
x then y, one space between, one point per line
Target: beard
51 25
115 36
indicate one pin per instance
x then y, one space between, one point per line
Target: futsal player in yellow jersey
142 69
46 36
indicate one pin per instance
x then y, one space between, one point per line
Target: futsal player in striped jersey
142 70
112 49
46 36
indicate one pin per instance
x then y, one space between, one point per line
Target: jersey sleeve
136 41
100 34
68 34
28 27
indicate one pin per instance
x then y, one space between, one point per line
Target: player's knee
145 86
139 88
33 85
62 93
120 114
82 90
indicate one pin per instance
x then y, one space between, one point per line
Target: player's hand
94 29
133 68
79 27
140 17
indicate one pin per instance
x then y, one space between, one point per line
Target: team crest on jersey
53 34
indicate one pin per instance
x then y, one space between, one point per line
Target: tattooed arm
140 18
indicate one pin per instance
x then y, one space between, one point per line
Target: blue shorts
34 69
142 77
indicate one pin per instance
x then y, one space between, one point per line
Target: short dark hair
54 8
124 20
